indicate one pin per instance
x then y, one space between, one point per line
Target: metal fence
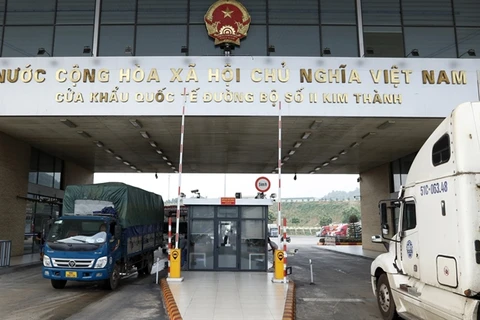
5 251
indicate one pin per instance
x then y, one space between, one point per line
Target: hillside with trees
316 213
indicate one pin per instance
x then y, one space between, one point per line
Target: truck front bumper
75 274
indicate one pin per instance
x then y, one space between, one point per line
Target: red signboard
227 201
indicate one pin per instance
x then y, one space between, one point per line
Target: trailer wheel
385 299
59 284
112 282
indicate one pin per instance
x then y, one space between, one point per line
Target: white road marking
331 300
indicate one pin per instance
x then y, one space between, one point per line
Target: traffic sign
262 184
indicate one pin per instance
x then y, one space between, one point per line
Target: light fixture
144 134
42 51
413 53
169 163
325 164
295 177
87 50
368 135
386 124
271 49
173 168
68 123
184 49
159 151
139 171
286 158
312 172
306 135
165 158
135 123
291 152
84 134
177 172
126 163
343 152
327 51
297 144
315 124
354 145
470 52
273 171
129 50
98 144
317 168
133 167
335 158
118 158
109 151
153 144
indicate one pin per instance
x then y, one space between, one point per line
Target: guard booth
227 234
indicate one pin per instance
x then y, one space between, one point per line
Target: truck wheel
59 284
114 280
385 299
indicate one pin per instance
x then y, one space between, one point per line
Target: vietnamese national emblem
227 21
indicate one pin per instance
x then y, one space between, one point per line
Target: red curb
289 311
169 301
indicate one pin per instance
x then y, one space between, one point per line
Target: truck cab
431 269
82 248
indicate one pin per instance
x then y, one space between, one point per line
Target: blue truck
106 231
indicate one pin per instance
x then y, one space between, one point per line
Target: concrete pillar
75 174
14 168
374 186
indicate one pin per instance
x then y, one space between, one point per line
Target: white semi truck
432 267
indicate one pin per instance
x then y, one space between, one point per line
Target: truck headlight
46 261
101 262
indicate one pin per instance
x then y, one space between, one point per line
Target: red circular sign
262 184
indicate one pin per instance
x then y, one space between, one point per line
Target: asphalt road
341 290
25 294
341 286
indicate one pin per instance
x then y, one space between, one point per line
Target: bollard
311 272
156 277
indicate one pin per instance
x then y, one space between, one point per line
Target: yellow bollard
278 264
175 265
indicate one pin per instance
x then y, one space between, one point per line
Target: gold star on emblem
227 13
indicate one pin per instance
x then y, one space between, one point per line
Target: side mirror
118 231
377 239
383 213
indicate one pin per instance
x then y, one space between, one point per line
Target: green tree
325 220
295 220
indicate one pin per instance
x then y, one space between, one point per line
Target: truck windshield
78 231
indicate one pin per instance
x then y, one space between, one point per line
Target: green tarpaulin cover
134 206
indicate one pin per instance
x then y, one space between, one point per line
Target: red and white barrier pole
279 199
169 242
285 250
180 168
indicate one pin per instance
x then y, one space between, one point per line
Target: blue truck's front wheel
59 284
112 282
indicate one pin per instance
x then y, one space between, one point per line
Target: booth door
227 248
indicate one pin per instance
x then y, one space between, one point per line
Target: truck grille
72 263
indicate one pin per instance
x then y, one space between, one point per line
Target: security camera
194 191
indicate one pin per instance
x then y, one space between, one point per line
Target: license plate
71 274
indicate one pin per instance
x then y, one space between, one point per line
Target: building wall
75 174
374 186
14 167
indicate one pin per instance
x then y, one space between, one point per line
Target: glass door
226 242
